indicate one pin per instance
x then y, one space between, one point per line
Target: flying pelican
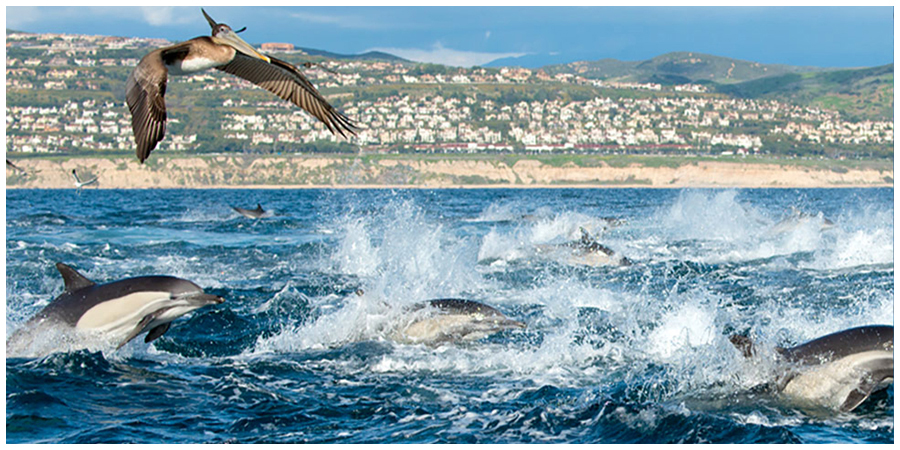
225 51
80 184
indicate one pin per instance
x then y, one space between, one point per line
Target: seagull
15 167
225 51
80 184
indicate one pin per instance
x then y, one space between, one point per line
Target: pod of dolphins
838 371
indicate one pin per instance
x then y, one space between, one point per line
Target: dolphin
452 320
838 371
250 213
121 309
80 184
798 218
587 251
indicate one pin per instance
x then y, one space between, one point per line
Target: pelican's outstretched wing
145 93
287 82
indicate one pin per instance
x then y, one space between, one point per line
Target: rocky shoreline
295 172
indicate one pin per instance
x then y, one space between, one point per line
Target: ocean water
634 354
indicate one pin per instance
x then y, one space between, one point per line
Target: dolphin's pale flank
452 320
838 371
121 310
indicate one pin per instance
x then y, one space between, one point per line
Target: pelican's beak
231 39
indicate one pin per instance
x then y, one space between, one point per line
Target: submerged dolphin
838 371
250 213
798 218
450 319
122 309
587 251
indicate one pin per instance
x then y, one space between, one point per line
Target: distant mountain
368 56
679 68
529 61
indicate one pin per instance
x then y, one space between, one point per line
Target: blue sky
469 35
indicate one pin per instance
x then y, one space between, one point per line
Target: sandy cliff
311 171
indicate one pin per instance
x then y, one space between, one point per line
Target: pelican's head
223 34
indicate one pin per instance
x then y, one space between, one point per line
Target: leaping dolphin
838 371
250 213
121 309
451 320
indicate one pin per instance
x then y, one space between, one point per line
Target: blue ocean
301 350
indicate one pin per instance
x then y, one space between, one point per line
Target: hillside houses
471 117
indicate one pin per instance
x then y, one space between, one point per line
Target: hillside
679 68
860 94
64 96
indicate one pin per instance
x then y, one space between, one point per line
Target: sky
532 36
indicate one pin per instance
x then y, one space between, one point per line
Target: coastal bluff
438 171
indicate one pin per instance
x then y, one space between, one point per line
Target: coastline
432 172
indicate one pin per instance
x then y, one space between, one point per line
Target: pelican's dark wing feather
145 93
286 81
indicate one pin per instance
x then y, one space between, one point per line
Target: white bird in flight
80 184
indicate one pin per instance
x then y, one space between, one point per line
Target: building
277 47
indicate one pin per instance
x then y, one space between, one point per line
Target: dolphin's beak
509 323
202 299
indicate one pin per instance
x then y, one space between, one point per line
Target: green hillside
679 68
858 94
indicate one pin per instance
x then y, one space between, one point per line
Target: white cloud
20 16
17 16
438 54
166 15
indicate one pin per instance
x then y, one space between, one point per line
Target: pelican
225 51
80 184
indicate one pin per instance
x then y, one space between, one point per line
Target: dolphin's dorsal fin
585 236
259 207
72 279
742 343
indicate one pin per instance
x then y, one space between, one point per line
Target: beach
296 172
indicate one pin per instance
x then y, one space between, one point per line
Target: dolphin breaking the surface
251 213
585 251
120 310
838 371
452 320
